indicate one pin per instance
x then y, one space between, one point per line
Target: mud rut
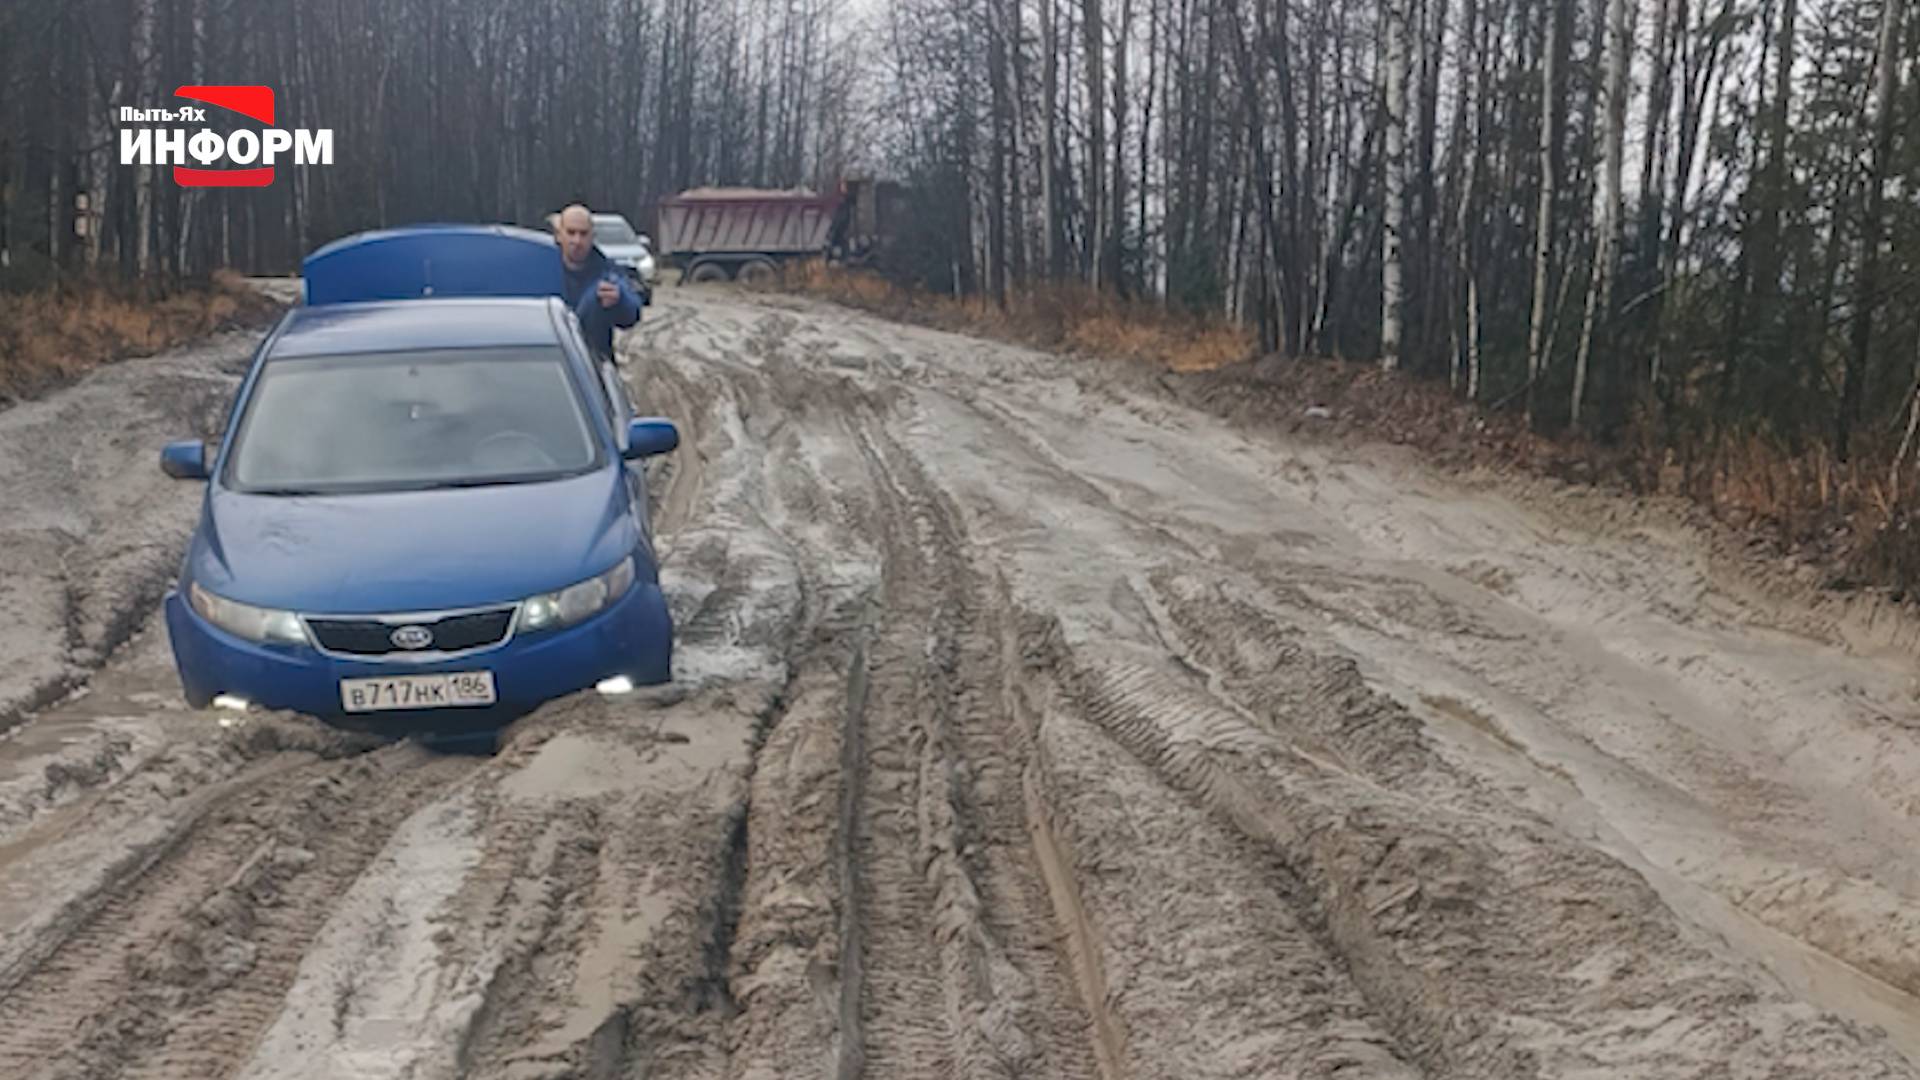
974 769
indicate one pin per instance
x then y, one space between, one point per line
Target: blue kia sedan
429 507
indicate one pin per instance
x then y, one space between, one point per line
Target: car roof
428 323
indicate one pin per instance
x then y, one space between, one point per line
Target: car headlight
575 603
245 620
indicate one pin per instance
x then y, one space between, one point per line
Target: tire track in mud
174 974
542 866
1277 994
942 959
1810 911
912 812
794 972
889 1004
1493 948
1463 936
850 1043
1217 974
966 878
93 535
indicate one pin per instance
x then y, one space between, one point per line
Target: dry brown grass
1853 522
49 337
1067 318
1859 510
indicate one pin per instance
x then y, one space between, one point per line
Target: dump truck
745 234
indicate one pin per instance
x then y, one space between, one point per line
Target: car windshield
411 420
614 231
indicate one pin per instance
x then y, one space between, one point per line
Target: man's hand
609 294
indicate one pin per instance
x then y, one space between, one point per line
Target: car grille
451 633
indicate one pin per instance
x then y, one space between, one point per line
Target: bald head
573 227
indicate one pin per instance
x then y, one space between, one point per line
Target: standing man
596 288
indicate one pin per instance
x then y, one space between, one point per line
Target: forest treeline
441 110
1694 218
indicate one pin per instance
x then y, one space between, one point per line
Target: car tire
708 271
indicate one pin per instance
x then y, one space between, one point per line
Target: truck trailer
745 234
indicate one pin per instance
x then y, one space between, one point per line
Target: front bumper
633 638
643 271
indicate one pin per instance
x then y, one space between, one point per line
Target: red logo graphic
254 102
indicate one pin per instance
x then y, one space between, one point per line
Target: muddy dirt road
1029 721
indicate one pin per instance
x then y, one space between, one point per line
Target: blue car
429 507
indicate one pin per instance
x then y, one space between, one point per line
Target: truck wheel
758 273
708 271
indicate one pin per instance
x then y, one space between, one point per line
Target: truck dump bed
708 221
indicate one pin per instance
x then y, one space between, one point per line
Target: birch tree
1600 290
1394 117
1549 188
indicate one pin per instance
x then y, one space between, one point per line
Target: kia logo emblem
411 637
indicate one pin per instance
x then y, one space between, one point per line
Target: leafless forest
1695 210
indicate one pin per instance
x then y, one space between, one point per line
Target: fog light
228 701
619 684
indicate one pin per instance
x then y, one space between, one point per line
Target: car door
610 395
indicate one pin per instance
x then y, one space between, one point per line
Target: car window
603 395
414 419
613 231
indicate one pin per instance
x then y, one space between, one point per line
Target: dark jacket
596 322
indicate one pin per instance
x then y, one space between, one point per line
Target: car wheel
708 271
758 273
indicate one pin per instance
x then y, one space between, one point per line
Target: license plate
447 691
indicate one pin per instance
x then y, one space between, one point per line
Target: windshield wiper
484 481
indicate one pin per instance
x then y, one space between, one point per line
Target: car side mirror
185 460
649 436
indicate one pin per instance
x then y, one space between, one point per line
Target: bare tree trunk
1014 28
1600 288
1210 193
1117 189
1271 320
141 86
1050 136
1474 65
1394 117
1146 133
1093 43
997 184
1654 152
1700 63
1659 101
1867 286
1773 182
1543 226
